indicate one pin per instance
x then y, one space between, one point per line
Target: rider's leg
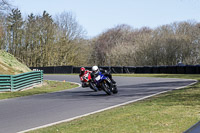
84 84
110 76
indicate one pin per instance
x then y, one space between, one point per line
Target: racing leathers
104 72
81 76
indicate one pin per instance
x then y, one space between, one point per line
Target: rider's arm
103 71
81 77
92 76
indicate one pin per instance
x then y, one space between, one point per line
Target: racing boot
84 85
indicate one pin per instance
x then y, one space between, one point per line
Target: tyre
113 87
106 88
93 87
115 90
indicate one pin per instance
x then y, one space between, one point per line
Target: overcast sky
98 15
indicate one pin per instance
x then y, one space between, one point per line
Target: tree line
43 40
40 40
165 45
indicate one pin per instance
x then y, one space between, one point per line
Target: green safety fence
20 81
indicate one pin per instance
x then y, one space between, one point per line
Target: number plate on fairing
98 78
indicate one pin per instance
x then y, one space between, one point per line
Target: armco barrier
44 69
187 69
147 69
191 70
163 69
129 69
63 69
55 69
106 68
181 69
198 69
139 70
171 69
76 69
155 69
20 81
117 69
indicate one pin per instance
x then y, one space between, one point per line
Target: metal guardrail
186 69
20 81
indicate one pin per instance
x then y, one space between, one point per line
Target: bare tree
70 49
107 41
69 26
4 5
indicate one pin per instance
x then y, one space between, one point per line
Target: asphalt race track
21 114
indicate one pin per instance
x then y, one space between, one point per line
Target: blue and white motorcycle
104 83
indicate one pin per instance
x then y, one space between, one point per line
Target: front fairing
99 78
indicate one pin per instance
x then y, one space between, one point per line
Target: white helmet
95 69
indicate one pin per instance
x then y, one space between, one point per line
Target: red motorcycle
88 82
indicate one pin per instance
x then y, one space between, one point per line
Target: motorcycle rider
96 70
83 71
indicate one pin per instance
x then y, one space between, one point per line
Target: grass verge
171 112
49 86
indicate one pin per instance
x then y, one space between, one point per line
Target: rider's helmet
82 70
95 69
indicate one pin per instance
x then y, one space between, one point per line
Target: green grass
49 86
9 65
171 112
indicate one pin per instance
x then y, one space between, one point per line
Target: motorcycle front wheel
115 90
106 88
92 86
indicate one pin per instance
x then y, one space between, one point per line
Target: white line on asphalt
73 118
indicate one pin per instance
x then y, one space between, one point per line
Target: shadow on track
135 90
